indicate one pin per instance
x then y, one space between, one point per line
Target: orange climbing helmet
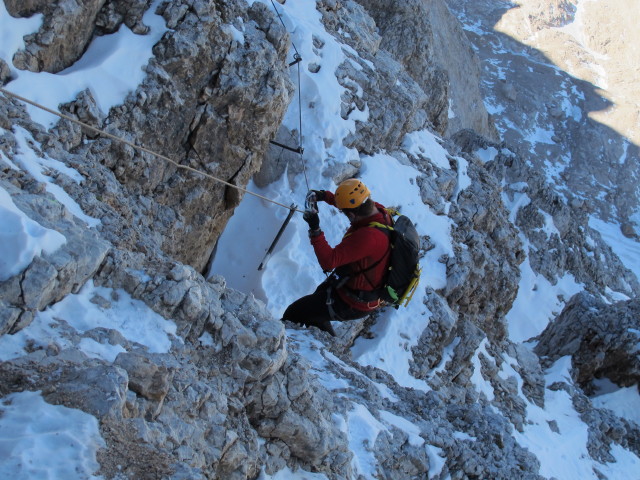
351 194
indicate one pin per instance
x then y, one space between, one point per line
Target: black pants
312 310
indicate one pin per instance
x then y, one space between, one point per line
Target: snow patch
425 143
487 154
39 440
39 166
22 239
405 425
112 66
482 385
558 436
627 249
437 460
525 321
91 308
363 432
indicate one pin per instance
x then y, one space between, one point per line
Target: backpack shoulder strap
387 230
381 226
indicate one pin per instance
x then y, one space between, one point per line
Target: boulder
65 34
51 276
601 339
145 378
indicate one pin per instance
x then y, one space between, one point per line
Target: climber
358 263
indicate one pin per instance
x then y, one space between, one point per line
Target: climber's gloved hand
319 194
312 219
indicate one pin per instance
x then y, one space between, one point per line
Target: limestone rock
51 276
64 35
8 317
407 34
428 353
602 340
386 126
85 109
26 8
5 72
223 105
489 247
116 12
100 391
454 54
145 378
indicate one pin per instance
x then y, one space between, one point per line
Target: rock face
456 55
216 101
549 62
556 227
438 59
234 396
66 31
428 79
482 279
224 101
601 339
49 278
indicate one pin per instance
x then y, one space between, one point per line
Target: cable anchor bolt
296 59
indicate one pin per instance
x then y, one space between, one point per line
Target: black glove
320 196
312 219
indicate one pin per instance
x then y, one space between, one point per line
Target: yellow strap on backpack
411 289
380 225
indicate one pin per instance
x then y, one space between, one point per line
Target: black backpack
403 274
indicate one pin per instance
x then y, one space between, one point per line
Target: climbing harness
334 282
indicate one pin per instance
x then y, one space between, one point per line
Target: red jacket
361 247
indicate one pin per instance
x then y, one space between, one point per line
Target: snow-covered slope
561 82
292 271
449 387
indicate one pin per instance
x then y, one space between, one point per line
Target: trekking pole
292 210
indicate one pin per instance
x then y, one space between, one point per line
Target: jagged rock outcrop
114 13
205 403
569 98
455 54
49 277
403 33
482 279
217 101
5 72
601 339
426 74
66 31
375 69
209 101
234 395
406 34
440 59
